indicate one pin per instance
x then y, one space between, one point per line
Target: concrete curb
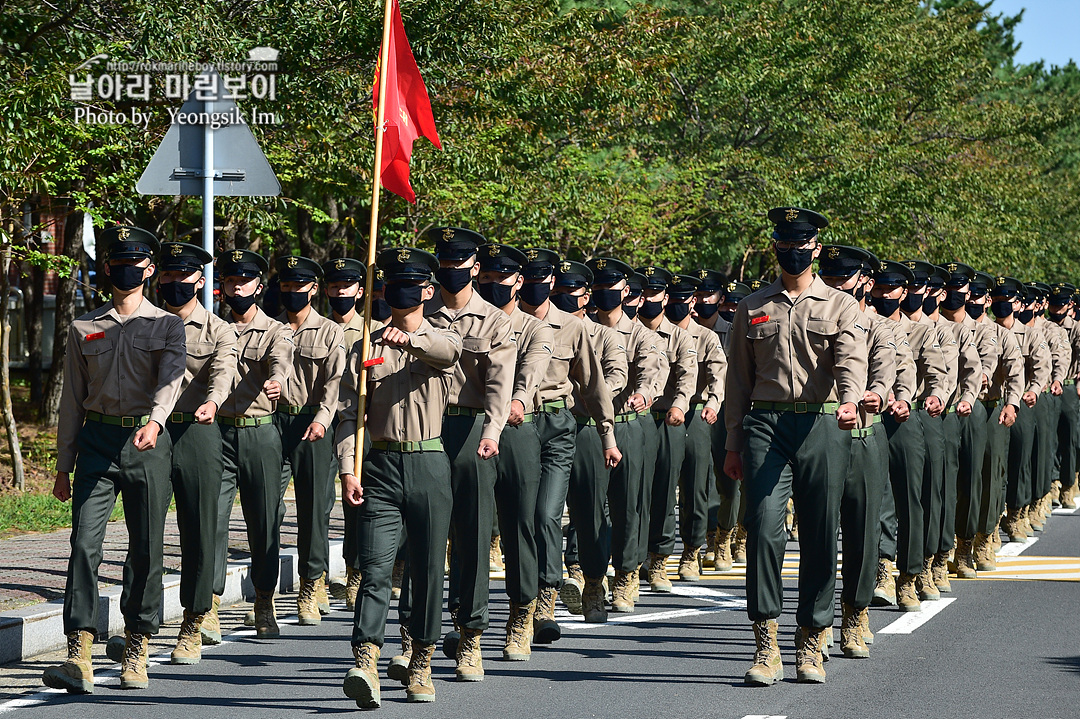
39 628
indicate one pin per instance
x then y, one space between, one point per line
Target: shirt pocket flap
149 344
822 326
95 347
313 351
563 352
763 330
476 345
200 349
253 352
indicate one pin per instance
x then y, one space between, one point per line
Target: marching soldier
123 373
308 404
405 477
782 441
250 441
478 408
196 457
1057 339
1069 423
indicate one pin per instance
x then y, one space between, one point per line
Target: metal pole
208 203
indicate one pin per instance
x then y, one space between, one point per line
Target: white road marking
913 620
1014 549
765 716
1062 510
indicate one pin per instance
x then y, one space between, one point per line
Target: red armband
373 361
95 336
759 320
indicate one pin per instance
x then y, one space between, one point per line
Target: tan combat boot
470 662
399 664
420 688
852 643
307 610
1035 515
635 584
352 588
939 571
362 682
133 668
76 675
592 601
621 599
570 594
519 632
885 588
924 584
689 566
189 642
809 666
322 600
658 579
709 560
767 668
738 545
723 550
906 596
1025 523
984 555
397 577
495 558
864 626
963 560
545 629
1068 497
266 626
211 625
995 536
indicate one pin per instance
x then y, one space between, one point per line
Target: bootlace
764 641
133 649
810 651
520 621
74 646
882 573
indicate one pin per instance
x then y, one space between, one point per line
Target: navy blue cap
406 264
981 284
656 278
842 261
683 287
344 269
455 243
920 270
608 270
1007 287
959 274
379 282
709 280
1061 293
241 263
736 292
792 224
573 274
540 263
938 279
500 258
182 257
757 284
298 269
124 242
893 274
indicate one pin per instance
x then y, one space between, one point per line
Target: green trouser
907 457
410 490
107 465
558 432
951 432
732 504
196 483
995 467
350 544
515 496
650 426
694 481
806 456
252 465
587 495
666 471
309 465
620 489
860 516
472 480
933 481
970 475
1047 411
1068 436
1018 485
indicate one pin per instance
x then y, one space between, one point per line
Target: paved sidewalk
33 567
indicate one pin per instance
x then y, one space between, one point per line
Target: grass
38 512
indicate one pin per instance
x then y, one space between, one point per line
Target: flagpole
373 235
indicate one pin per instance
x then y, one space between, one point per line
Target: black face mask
1059 316
403 296
1001 308
496 294
885 307
954 300
126 277
295 301
177 294
975 311
630 310
705 310
380 309
240 305
342 305
1025 316
727 315
859 293
650 309
912 303
453 279
678 312
535 294
566 303
794 262
929 305
607 300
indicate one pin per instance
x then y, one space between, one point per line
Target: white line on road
764 716
1013 549
913 620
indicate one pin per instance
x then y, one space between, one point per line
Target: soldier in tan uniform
405 480
197 463
123 372
1045 458
1069 422
251 442
796 374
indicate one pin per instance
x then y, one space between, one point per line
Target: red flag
408 110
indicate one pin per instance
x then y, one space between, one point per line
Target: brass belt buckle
800 408
177 417
128 422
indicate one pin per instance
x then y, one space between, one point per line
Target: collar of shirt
817 290
198 316
555 317
313 321
476 305
261 321
625 325
145 309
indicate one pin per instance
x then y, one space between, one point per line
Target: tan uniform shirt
808 349
354 329
318 361
968 372
406 395
119 366
612 355
644 362
265 353
951 351
930 366
712 366
1037 361
484 378
881 354
1060 350
1072 330
211 360
907 373
1007 380
678 384
535 340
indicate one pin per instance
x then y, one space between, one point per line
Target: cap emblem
175 250
447 234
792 214
601 264
494 250
123 233
834 252
237 255
564 267
404 254
339 264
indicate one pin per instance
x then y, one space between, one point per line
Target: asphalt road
1000 648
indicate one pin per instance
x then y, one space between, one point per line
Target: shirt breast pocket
200 350
476 345
313 352
563 352
765 336
98 354
822 334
